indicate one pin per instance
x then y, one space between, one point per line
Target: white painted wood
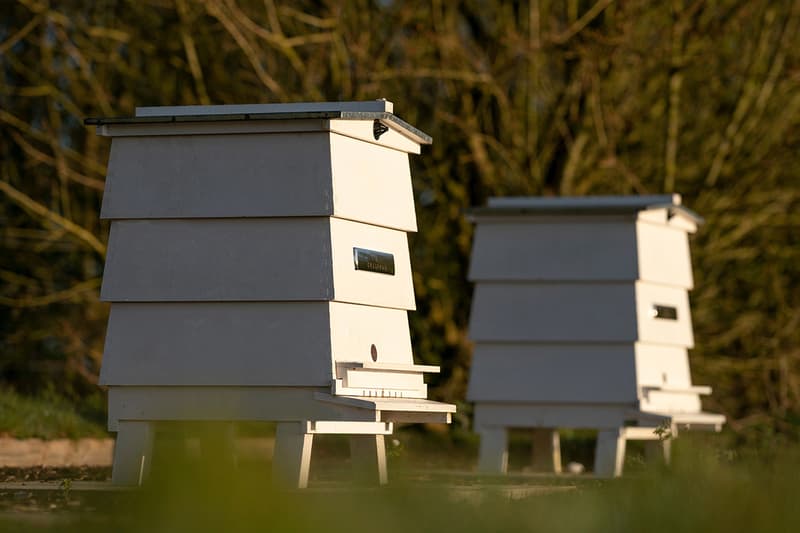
659 330
379 391
219 260
562 249
168 128
639 433
369 366
363 286
246 343
347 427
681 220
133 452
609 453
671 402
258 175
552 312
371 184
381 380
676 217
493 453
572 320
356 328
212 176
578 312
694 389
663 254
155 403
362 130
388 380
698 421
291 461
552 415
388 405
293 107
657 216
661 365
368 456
567 373
277 259
572 248
546 453
236 343
232 278
397 137
218 403
635 202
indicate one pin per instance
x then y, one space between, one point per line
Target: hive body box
258 269
580 319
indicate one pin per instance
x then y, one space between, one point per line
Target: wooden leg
609 454
667 448
133 453
292 458
493 456
368 455
546 450
658 451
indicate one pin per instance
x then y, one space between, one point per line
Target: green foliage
46 417
526 97
704 491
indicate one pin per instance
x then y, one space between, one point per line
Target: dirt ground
49 473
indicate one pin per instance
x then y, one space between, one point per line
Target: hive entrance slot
666 312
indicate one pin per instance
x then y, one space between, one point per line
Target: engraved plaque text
373 261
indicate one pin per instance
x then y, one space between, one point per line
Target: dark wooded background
538 98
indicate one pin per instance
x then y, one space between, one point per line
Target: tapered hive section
583 302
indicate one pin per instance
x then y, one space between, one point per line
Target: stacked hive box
581 319
258 269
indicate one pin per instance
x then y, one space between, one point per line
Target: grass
706 490
47 417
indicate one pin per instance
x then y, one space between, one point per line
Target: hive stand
258 270
580 319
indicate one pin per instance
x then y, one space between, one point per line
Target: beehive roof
584 205
381 110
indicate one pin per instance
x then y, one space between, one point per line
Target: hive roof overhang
380 110
583 205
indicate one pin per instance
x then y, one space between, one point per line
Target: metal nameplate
666 312
373 261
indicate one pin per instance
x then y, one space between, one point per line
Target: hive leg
292 458
546 450
368 455
658 451
493 456
609 454
133 453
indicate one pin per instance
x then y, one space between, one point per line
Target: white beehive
258 269
580 319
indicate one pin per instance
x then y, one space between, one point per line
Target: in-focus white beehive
258 269
581 319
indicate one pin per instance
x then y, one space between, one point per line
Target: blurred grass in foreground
49 416
704 490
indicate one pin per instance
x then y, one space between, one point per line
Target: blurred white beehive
581 319
258 269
